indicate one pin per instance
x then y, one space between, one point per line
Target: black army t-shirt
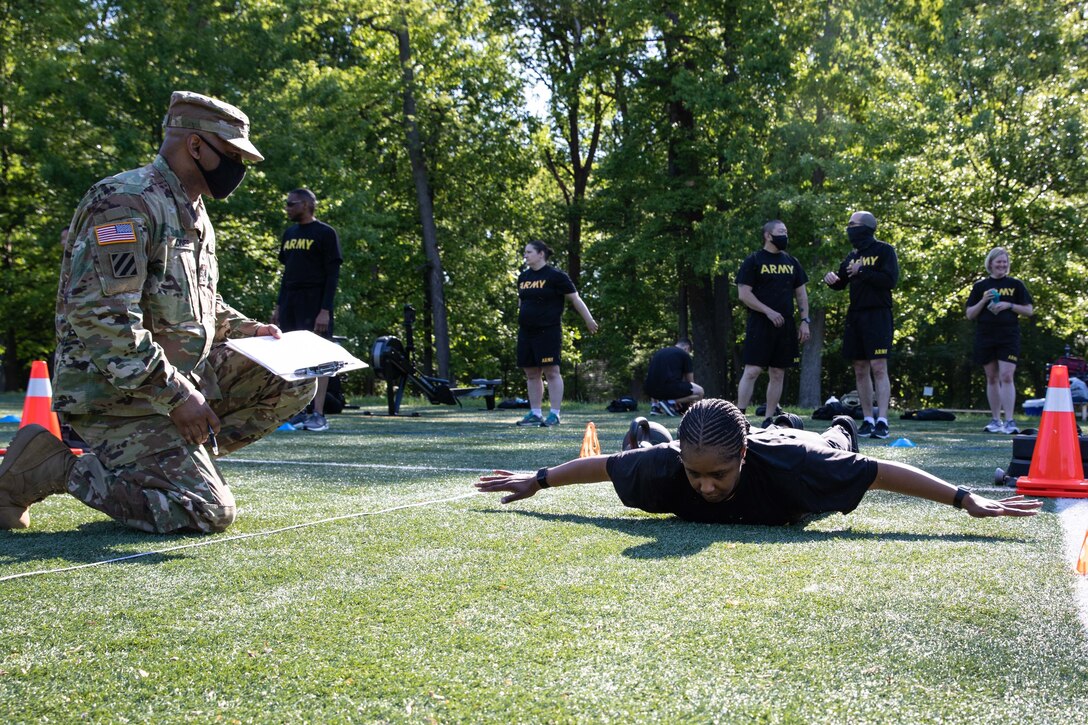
667 366
1006 322
787 474
311 258
773 279
542 293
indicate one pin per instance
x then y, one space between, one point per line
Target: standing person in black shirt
871 272
310 253
767 283
720 471
670 379
542 292
997 303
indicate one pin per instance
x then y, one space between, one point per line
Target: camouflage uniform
140 326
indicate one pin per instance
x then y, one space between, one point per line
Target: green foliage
960 124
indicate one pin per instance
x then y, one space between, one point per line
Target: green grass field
399 595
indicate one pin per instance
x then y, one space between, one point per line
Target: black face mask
781 241
225 178
859 236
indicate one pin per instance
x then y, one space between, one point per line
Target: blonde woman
997 303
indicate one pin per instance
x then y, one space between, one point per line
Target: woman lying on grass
721 472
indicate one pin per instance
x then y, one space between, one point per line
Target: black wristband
542 477
961 493
805 320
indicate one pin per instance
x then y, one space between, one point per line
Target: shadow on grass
674 538
91 542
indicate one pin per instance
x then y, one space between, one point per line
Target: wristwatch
806 320
542 477
961 493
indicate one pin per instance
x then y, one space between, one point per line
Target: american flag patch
115 233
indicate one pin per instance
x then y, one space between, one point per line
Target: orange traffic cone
590 445
1082 562
38 404
1056 468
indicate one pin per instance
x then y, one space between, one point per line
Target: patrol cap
866 219
203 113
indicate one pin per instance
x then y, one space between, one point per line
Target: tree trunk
711 327
810 395
435 274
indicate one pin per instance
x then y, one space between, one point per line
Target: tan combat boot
36 465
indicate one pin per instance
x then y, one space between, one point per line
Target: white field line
334 464
238 537
1073 513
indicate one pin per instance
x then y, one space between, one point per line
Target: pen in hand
213 441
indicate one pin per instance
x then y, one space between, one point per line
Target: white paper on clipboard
297 355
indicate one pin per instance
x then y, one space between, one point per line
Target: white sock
882 418
538 412
869 420
555 412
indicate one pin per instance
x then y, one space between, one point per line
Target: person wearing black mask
768 282
143 373
871 271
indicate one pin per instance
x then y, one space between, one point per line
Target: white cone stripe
1058 400
39 388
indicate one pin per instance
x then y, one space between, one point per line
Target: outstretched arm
906 479
580 307
523 485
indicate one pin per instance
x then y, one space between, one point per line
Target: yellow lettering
298 244
776 269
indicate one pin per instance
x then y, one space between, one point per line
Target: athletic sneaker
668 407
866 429
847 424
767 423
880 430
995 426
788 420
532 419
315 423
655 409
550 421
1010 428
297 420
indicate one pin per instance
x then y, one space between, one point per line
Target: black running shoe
849 426
789 420
866 429
880 430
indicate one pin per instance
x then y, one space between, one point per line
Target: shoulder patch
123 264
115 233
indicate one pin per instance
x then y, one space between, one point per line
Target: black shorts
868 334
300 309
768 346
539 346
1001 349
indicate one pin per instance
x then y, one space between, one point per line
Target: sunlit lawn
399 595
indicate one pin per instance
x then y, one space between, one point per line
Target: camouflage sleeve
100 297
230 323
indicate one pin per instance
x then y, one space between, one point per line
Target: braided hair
714 423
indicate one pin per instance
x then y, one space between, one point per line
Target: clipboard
297 355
